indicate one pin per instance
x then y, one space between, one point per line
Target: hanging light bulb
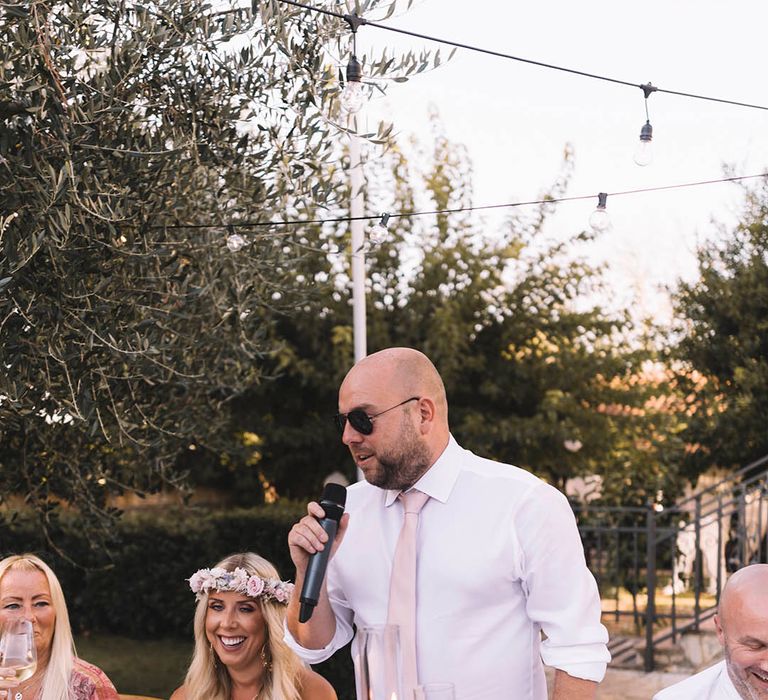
353 95
643 151
234 240
379 232
599 220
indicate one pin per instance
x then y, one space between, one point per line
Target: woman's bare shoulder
179 694
313 687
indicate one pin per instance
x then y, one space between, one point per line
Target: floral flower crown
217 579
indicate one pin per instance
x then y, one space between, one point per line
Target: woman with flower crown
239 649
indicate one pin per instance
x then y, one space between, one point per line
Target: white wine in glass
17 649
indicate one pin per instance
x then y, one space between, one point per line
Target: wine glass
17 649
379 672
435 691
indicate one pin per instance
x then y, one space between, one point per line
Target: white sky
515 119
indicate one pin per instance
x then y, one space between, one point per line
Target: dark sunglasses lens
360 422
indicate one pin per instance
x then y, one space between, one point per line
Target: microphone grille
335 493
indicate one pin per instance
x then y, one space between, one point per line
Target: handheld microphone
333 500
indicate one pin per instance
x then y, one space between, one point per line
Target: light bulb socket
354 70
384 220
646 133
602 200
648 89
354 21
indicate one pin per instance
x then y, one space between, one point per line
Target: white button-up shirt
499 562
712 683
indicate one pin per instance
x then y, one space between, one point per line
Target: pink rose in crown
281 595
196 581
255 586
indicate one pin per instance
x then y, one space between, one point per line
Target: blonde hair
208 678
56 680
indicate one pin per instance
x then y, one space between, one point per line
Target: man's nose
350 435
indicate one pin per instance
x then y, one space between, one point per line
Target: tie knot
413 501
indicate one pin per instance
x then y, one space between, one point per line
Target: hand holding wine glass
17 649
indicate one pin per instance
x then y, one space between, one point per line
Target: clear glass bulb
235 242
352 97
377 234
643 152
599 220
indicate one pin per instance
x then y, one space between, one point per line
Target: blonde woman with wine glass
30 590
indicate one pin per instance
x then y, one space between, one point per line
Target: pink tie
402 587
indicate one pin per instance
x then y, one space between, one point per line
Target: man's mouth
231 642
362 457
760 676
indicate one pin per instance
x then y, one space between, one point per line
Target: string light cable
383 219
354 19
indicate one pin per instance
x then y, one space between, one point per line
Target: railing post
764 492
697 566
650 607
675 529
720 554
744 557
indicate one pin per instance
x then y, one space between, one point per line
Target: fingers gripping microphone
332 502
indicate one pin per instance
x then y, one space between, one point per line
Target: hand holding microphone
314 535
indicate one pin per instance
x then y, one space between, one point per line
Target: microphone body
333 501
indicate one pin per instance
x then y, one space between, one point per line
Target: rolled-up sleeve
561 593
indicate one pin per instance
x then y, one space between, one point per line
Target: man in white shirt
499 555
742 628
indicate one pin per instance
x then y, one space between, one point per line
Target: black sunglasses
361 421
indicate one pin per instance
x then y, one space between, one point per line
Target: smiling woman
239 649
30 590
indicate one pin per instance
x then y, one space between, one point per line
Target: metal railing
686 551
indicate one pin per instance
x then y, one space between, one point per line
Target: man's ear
427 415
719 628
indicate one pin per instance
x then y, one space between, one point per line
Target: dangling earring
212 654
267 661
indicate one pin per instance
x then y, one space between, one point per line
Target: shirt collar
438 481
725 687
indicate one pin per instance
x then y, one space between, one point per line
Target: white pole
356 205
358 254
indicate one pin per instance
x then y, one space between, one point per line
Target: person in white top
742 628
500 561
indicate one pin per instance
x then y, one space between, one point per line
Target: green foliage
722 339
126 331
126 325
530 360
139 587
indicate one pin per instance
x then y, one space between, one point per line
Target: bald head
748 587
407 371
742 628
